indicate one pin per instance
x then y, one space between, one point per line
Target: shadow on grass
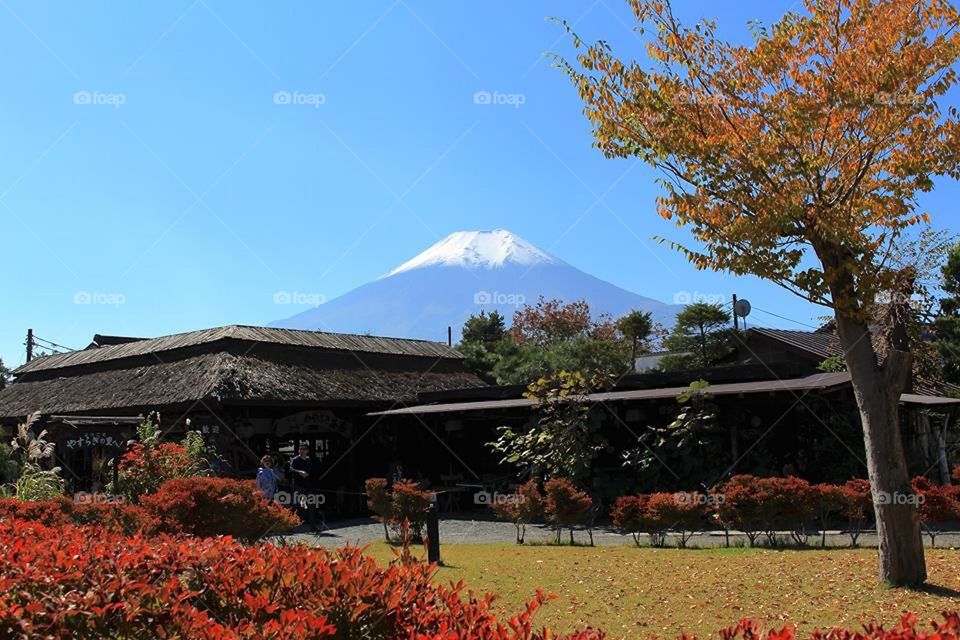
936 590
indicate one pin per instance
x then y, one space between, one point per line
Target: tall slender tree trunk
877 390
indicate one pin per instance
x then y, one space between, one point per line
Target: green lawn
639 593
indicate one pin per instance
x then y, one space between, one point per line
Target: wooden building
250 390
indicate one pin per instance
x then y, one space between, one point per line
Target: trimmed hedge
84 583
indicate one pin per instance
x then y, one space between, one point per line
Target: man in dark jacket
301 474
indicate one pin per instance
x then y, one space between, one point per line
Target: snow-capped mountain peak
478 249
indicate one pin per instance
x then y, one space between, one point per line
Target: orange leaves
832 112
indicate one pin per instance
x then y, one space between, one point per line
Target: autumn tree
797 158
544 339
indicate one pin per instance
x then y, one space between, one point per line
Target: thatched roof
235 365
288 337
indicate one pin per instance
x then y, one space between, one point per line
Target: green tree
700 337
562 443
636 327
484 328
947 321
482 342
5 375
679 445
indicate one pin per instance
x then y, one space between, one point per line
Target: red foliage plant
120 518
565 505
404 502
85 583
742 505
143 469
217 506
655 514
685 513
948 629
630 514
523 507
378 501
938 504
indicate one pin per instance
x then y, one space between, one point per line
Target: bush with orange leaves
85 583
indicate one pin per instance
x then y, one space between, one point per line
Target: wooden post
449 336
29 345
433 535
736 324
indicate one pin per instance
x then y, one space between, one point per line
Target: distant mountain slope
463 274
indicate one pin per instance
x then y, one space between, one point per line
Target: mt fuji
466 273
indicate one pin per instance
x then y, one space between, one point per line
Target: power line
777 315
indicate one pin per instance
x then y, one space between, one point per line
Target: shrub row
198 506
562 505
84 582
768 506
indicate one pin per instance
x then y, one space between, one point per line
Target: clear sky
172 166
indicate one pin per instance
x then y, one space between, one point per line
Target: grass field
640 593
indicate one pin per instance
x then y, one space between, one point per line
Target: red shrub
790 504
742 505
685 513
949 629
118 518
126 519
405 502
143 469
938 504
51 513
523 507
84 583
565 505
858 507
768 505
630 514
378 501
409 503
217 506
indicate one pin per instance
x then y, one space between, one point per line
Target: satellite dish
742 308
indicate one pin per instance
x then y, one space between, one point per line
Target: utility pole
736 325
29 345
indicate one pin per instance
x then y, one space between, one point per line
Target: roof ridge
326 340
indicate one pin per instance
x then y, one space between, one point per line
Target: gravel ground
467 530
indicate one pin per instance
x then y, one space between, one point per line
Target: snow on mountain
476 249
466 273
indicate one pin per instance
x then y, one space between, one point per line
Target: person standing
267 478
301 472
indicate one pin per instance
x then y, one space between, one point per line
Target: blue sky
150 182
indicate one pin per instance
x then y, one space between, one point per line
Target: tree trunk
877 390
